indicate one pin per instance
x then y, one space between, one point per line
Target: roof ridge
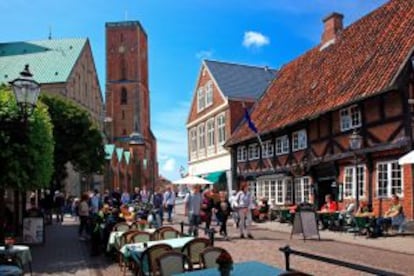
241 64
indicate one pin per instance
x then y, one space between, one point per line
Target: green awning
216 177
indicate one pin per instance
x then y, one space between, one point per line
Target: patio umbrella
191 180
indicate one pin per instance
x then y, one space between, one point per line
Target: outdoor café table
134 250
329 217
115 236
10 270
21 251
239 269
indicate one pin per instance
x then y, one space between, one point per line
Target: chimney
333 26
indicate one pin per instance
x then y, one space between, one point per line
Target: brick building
63 67
216 110
358 78
128 106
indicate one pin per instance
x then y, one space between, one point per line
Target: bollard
182 228
211 233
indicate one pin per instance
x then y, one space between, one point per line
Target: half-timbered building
358 81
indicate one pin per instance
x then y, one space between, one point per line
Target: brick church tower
128 105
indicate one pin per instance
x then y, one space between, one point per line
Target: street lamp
26 91
355 143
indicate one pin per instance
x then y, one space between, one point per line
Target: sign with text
33 230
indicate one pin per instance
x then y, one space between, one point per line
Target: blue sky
182 33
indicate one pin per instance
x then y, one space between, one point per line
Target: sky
181 34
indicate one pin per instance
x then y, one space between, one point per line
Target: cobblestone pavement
63 254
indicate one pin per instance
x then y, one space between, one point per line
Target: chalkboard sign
33 230
305 224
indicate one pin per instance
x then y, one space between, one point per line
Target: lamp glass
26 90
355 141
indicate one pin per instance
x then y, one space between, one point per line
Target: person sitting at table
345 215
330 206
393 217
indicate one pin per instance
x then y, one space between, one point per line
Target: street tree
26 143
78 139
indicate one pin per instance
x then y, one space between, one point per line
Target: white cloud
204 54
169 165
254 39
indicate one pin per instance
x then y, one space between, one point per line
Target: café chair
121 226
209 256
147 262
193 248
156 235
173 262
139 236
169 234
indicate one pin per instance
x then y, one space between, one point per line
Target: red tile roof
364 61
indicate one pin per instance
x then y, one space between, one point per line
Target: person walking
222 209
192 204
83 212
169 202
243 202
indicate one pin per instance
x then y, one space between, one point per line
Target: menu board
305 223
33 230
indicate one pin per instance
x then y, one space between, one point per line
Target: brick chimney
333 26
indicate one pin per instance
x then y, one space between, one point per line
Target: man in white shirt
169 202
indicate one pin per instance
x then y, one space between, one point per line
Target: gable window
282 145
201 139
351 177
201 100
302 189
193 143
124 96
221 129
209 93
210 135
267 149
253 152
299 140
350 118
241 153
389 179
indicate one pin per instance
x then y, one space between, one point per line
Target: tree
27 145
78 140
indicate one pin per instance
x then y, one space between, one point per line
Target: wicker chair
124 239
121 226
168 234
173 262
193 249
156 235
147 264
209 256
139 236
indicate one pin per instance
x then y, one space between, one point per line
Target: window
210 134
350 118
209 93
282 145
201 101
124 96
221 129
267 149
299 140
302 189
253 152
201 139
389 179
277 190
193 143
350 178
241 153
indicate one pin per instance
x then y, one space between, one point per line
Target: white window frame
350 118
210 136
201 140
253 152
299 140
241 153
390 179
200 99
303 189
193 143
208 88
282 145
221 129
350 177
268 149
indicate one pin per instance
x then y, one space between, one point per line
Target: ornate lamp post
355 143
26 90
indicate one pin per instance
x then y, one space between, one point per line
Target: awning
216 177
407 158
